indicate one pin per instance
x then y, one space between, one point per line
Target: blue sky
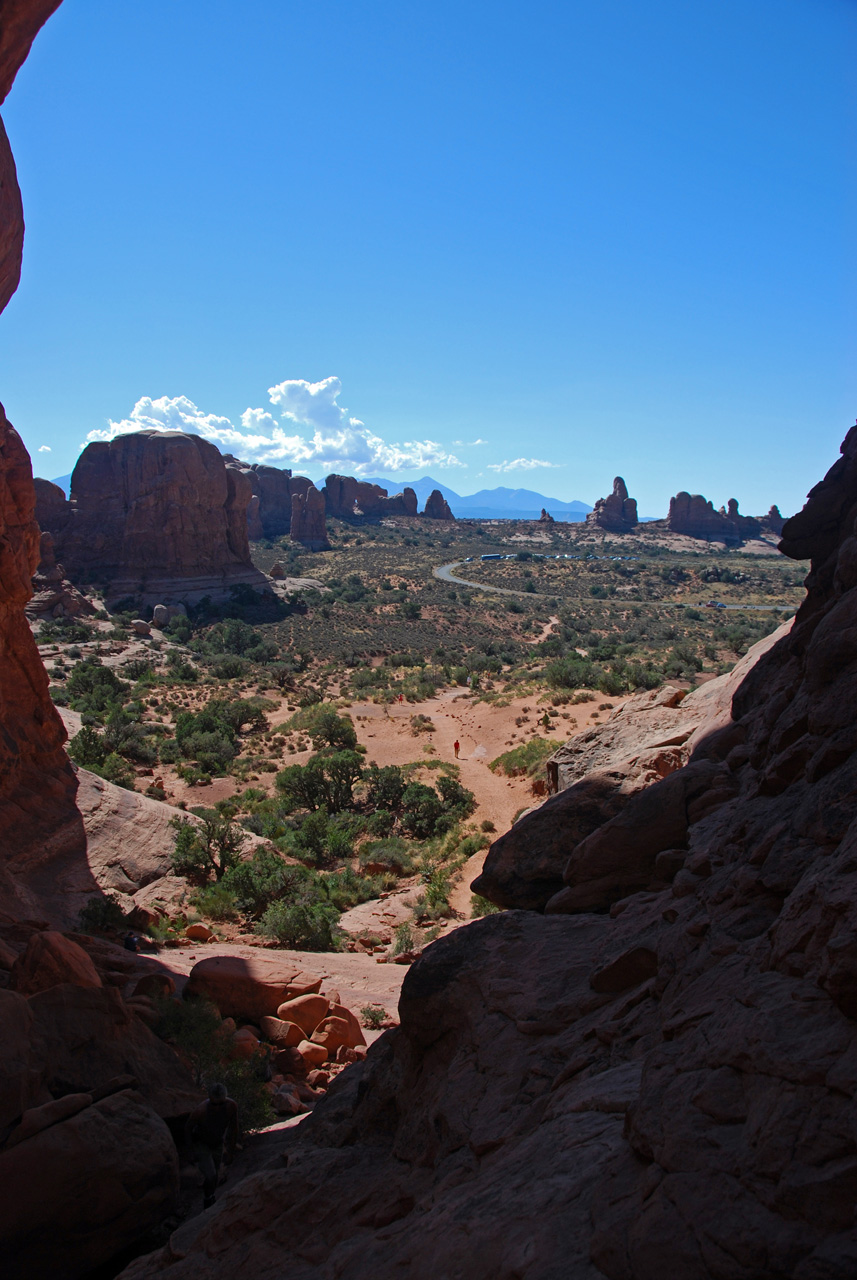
596 238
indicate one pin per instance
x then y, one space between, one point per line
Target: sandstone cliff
617 513
158 515
691 514
660 1083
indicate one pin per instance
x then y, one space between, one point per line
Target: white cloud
522 464
44 448
331 440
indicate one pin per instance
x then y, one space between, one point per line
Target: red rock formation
157 515
308 525
617 513
347 499
691 514
52 507
773 522
437 507
546 518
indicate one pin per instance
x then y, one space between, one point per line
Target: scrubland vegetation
234 692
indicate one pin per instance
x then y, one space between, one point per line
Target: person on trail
456 746
131 942
208 1126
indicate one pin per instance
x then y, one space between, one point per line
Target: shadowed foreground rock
665 1088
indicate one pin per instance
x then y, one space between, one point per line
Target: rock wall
617 513
159 516
437 507
659 1077
691 514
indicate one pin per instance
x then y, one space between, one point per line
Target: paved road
444 572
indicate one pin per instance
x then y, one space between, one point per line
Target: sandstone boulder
199 933
48 960
305 1011
251 989
36 1119
334 1032
281 1033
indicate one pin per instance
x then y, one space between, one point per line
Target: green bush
327 779
525 759
304 925
216 902
480 906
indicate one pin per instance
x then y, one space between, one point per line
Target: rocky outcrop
616 513
692 515
53 595
659 1083
269 510
773 522
308 523
437 507
348 499
158 516
546 518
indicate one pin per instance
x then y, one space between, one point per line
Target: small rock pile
274 1009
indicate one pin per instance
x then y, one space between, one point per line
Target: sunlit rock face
617 512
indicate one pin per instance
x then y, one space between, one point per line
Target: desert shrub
480 906
114 769
487 825
403 939
211 847
422 810
386 786
373 1016
323 840
94 689
215 902
391 855
325 727
102 914
305 925
527 758
262 879
421 724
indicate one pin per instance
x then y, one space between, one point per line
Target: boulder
199 933
244 1043
140 627
36 1119
81 1190
251 989
334 1032
616 513
305 1011
50 959
280 1033
313 1054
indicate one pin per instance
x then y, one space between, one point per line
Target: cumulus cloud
310 431
522 464
44 448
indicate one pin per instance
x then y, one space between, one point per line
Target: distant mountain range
490 504
487 504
